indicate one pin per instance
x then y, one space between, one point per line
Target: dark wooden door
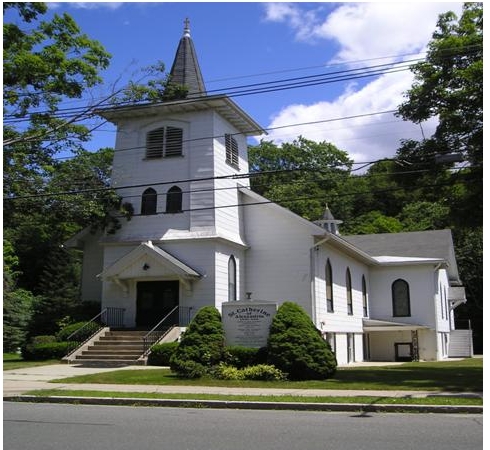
154 300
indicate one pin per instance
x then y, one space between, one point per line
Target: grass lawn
465 375
15 361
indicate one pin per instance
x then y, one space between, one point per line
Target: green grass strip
435 400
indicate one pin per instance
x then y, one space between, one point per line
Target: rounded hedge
201 346
49 350
296 347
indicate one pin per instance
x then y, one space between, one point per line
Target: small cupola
329 222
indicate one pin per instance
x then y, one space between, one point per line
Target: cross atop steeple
187 29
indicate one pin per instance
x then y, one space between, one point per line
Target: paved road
71 427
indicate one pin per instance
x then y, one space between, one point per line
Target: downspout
313 251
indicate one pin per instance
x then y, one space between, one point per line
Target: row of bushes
295 350
45 347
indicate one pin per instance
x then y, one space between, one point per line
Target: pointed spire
328 221
185 69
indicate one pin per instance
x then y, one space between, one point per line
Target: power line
257 88
190 180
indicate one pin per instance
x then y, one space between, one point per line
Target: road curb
220 404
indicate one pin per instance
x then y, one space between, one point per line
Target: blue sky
251 42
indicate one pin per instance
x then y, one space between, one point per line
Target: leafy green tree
157 88
17 303
373 222
420 216
449 85
201 346
296 347
301 175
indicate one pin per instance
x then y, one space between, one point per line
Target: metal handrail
146 341
115 312
86 324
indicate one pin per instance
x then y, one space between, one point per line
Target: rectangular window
231 150
154 143
164 141
173 141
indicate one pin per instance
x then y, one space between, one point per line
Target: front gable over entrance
150 262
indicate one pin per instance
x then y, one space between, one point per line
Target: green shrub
241 357
225 372
44 339
82 335
296 347
49 350
264 372
161 353
201 346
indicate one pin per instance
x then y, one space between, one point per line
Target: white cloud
370 30
365 136
361 31
96 5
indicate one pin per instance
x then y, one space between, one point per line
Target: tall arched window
329 285
232 279
364 298
401 298
149 202
348 287
174 200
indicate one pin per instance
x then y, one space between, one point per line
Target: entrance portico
148 283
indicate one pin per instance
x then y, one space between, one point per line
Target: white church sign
247 323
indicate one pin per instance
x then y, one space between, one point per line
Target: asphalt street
29 426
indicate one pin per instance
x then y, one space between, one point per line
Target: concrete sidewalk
17 382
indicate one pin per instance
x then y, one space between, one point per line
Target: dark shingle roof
185 69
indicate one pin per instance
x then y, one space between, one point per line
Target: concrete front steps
113 347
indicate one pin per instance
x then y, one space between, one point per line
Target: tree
449 85
301 175
296 347
201 346
373 222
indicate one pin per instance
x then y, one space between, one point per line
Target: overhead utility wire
176 182
313 197
256 88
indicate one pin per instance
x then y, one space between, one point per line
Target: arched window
232 279
149 202
329 286
174 200
364 298
348 287
401 298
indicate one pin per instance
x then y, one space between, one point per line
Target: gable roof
147 260
415 244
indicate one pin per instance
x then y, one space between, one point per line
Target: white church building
200 236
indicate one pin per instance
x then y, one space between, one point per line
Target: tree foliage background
47 62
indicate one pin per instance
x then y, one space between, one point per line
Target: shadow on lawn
454 377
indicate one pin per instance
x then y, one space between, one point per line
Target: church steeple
185 68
